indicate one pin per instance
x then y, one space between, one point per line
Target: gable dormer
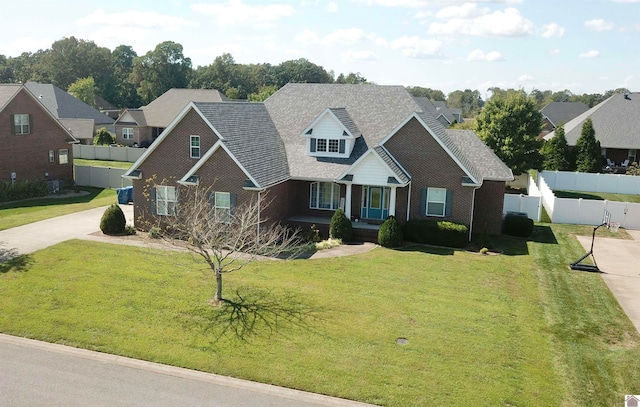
332 134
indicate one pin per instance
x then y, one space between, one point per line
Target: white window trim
63 153
326 152
19 124
335 193
192 147
163 201
222 211
128 135
443 202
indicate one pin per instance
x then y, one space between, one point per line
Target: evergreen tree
588 152
556 152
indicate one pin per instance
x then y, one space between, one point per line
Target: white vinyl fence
531 205
127 154
586 211
100 177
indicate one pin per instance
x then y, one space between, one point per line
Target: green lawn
513 329
20 213
600 196
100 163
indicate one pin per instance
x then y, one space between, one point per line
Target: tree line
126 79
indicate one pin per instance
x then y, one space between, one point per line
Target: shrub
22 190
130 230
113 221
340 227
515 225
103 137
155 233
390 234
440 233
312 234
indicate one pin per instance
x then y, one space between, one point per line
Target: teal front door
375 203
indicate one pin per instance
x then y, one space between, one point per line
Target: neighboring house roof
132 117
9 91
616 123
80 128
481 160
167 106
559 113
436 108
64 106
444 110
103 104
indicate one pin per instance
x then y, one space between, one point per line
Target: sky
586 46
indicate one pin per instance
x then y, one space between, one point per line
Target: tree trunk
218 296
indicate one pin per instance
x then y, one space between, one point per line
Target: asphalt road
34 373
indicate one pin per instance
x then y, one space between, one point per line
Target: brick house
35 145
140 127
313 148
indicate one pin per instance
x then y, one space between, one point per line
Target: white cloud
480 55
507 23
416 47
426 3
554 51
361 56
135 19
24 44
598 24
332 7
552 30
525 78
307 37
466 10
348 36
590 54
235 12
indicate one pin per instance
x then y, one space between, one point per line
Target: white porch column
347 202
392 202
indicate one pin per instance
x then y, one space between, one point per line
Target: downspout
409 201
259 207
473 205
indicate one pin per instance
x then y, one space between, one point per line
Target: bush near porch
439 233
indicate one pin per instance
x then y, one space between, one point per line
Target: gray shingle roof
64 106
162 111
250 135
346 121
478 157
7 92
80 128
391 163
562 112
616 122
375 110
136 114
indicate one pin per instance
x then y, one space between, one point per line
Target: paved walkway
620 262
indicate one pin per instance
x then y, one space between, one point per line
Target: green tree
301 71
432 94
159 70
262 94
103 137
124 91
85 90
510 127
588 152
468 100
556 152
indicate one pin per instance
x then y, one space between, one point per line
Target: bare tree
225 238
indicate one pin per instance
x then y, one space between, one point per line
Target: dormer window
332 134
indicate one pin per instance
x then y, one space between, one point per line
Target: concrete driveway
620 262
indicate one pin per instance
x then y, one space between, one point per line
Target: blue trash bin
122 195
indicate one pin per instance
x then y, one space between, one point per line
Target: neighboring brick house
313 148
34 144
616 123
78 117
140 127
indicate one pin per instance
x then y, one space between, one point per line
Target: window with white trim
21 124
222 205
324 195
127 133
63 156
631 156
165 200
195 146
436 201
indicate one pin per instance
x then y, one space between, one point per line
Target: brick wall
487 211
28 154
430 166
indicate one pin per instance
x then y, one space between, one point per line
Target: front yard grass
19 213
513 329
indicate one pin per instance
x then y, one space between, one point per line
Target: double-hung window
436 201
195 146
63 156
165 200
222 206
127 133
324 195
21 124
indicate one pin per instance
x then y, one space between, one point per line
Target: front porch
362 230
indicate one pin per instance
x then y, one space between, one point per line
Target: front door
375 203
